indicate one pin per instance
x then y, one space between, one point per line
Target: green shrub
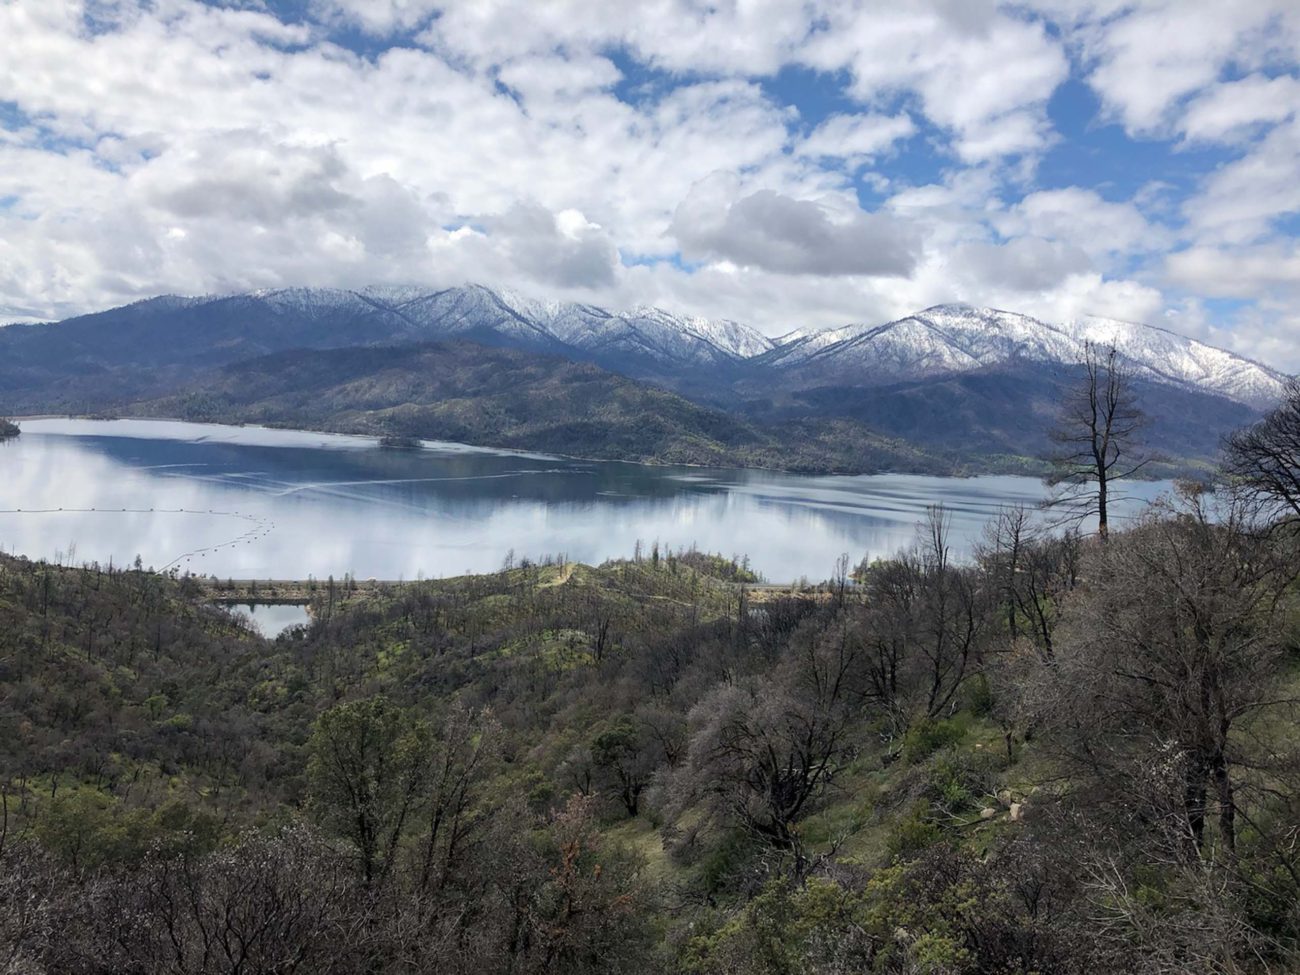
787 928
721 864
955 779
914 832
926 737
979 696
949 784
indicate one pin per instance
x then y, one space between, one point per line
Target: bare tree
1001 554
1168 683
32 885
1167 710
1097 440
1264 460
1031 569
284 903
764 752
925 619
459 761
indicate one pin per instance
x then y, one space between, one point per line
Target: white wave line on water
161 467
324 485
225 479
262 526
378 500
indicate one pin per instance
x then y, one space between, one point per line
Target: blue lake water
249 502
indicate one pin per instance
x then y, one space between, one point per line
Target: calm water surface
249 502
272 619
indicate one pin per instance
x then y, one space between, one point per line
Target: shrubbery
649 766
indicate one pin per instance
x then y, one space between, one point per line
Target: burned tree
1097 439
1264 460
1167 690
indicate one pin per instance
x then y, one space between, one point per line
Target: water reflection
255 503
272 619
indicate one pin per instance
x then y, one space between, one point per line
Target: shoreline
527 452
965 474
788 565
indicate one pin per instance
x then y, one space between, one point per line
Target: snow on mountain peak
1169 357
954 338
943 339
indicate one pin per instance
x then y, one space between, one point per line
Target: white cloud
1266 331
1024 265
778 233
732 37
1264 278
1145 59
380 17
1239 203
1091 294
856 137
1229 112
1240 272
983 73
180 146
1102 229
554 77
565 250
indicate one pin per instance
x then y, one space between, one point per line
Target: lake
256 503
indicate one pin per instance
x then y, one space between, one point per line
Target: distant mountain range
963 381
953 339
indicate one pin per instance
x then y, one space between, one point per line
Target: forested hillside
469 393
1066 756
1002 413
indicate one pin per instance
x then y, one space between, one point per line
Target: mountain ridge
1005 336
970 385
651 342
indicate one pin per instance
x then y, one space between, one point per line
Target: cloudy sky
780 162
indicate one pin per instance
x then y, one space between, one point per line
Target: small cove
271 619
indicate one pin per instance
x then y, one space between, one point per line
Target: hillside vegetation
493 397
1064 757
1070 754
1002 413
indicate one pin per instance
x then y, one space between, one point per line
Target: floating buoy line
261 527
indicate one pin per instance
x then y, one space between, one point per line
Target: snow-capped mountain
948 339
647 335
655 334
1171 358
695 355
942 340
